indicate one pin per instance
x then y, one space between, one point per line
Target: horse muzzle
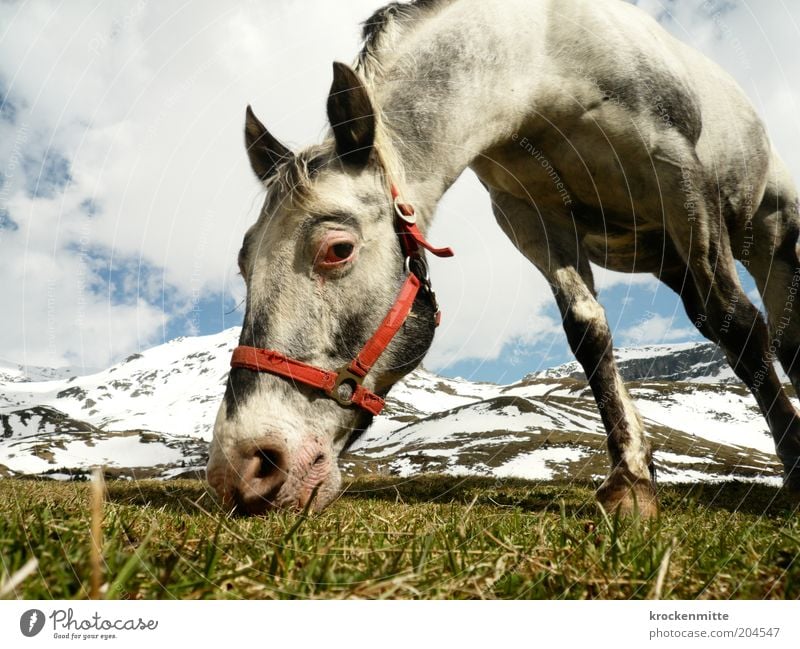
258 476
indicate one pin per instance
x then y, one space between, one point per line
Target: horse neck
439 109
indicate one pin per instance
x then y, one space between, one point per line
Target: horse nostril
263 474
270 462
319 459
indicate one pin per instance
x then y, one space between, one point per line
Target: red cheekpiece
345 385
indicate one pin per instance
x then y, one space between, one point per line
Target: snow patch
537 465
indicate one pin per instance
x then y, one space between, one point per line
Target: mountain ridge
152 415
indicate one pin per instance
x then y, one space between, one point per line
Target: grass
430 537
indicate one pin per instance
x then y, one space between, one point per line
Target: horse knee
587 331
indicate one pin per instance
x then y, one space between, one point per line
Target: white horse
599 137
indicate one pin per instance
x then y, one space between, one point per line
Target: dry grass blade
9 586
96 555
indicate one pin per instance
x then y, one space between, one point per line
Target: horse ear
351 115
264 151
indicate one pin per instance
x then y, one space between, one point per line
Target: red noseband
345 386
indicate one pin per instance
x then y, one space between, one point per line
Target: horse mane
382 30
292 181
380 33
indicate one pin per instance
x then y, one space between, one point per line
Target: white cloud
146 102
654 329
490 294
605 279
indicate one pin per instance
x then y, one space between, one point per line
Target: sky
125 188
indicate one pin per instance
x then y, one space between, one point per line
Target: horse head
337 309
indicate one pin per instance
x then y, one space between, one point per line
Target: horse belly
605 159
631 252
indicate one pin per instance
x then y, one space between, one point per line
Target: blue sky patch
46 177
207 314
6 222
8 109
89 207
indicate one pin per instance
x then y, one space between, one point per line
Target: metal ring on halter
350 381
421 266
408 218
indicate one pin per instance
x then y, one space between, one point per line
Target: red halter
345 386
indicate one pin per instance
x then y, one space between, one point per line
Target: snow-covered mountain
152 415
694 362
14 373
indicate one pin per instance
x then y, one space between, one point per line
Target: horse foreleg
629 485
557 253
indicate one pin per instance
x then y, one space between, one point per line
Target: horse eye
338 252
341 251
335 251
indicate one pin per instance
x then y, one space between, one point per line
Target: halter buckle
345 386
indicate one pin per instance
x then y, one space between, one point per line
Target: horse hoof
791 482
628 497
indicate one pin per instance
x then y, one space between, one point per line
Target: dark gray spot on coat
661 94
414 339
350 335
